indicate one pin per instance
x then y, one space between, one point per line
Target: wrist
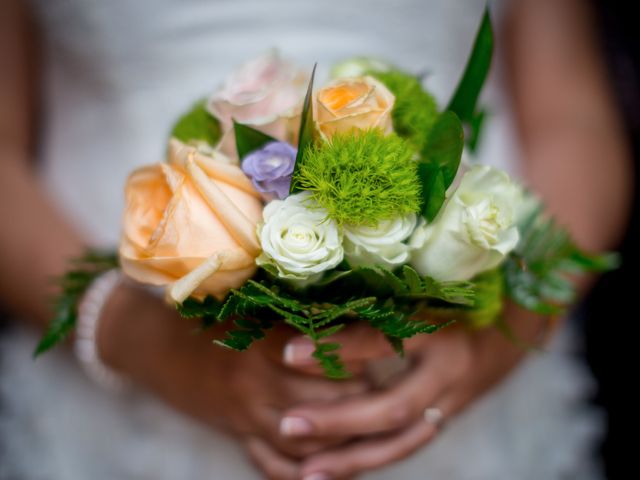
125 330
140 337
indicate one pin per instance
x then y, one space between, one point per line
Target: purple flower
270 169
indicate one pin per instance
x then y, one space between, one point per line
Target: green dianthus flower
362 177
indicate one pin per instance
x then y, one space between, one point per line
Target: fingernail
295 426
433 416
298 352
317 476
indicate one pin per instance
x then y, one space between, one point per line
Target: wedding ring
433 416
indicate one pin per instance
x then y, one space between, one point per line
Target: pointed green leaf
464 100
476 126
444 146
305 137
248 139
412 279
433 189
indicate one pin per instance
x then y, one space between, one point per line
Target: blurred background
610 318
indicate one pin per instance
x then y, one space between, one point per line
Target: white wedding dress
117 73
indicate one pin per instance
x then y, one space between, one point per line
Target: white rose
473 232
301 242
381 245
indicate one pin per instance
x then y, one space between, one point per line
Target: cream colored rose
474 231
299 241
380 245
348 103
189 224
265 93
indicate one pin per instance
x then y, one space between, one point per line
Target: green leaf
284 301
60 326
330 361
337 311
476 127
244 332
327 332
464 100
73 284
433 190
410 286
380 281
305 136
197 125
192 308
538 272
396 324
453 292
412 280
243 302
248 139
397 344
444 146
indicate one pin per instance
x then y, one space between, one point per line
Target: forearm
35 240
574 147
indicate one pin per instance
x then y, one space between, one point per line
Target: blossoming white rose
473 232
301 242
379 245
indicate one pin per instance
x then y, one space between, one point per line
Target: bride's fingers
272 431
359 343
368 454
274 465
379 411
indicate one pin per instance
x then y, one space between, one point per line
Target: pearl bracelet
89 313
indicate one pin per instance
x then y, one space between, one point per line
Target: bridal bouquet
281 202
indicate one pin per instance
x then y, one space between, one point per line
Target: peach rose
190 225
265 93
348 103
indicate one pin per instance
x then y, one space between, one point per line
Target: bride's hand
448 371
242 392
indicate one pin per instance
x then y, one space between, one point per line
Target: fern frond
537 273
73 284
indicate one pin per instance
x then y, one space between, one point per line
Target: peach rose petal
231 261
217 166
353 103
183 288
240 228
